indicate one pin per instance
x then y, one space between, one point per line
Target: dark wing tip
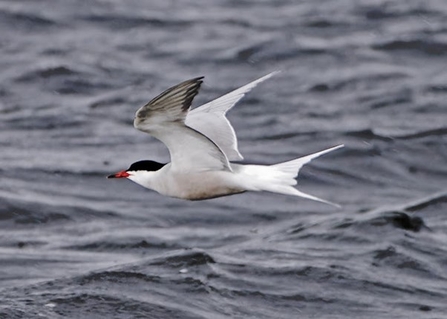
180 95
192 90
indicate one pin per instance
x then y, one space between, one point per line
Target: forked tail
282 177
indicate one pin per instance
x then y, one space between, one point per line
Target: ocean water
369 74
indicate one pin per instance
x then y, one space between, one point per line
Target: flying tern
202 145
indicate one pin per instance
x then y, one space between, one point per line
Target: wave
426 46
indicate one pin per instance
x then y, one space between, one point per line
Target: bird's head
138 169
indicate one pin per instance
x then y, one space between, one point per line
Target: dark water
370 74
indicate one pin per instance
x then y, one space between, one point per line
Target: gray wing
209 119
164 118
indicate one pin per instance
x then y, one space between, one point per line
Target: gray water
369 74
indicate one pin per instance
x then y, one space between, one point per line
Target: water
369 74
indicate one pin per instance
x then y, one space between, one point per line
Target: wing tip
192 90
179 96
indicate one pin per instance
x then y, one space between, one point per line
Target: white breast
189 185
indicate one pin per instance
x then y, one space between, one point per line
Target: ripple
348 83
30 213
400 220
119 277
427 46
369 134
432 201
421 134
185 259
120 22
323 23
43 122
124 246
47 73
392 257
82 305
26 21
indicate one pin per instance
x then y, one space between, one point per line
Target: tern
202 145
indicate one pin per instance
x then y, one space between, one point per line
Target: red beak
122 174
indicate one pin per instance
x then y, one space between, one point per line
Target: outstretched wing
164 118
209 119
